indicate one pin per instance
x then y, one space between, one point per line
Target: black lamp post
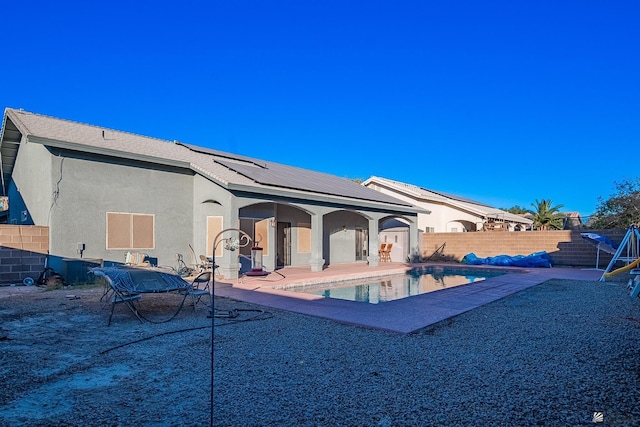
231 244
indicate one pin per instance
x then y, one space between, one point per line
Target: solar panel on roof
279 175
224 155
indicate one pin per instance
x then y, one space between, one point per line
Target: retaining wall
566 247
23 251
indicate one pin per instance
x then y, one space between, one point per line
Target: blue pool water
402 286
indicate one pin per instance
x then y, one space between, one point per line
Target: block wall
566 247
23 251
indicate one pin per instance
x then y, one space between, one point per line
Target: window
130 231
304 238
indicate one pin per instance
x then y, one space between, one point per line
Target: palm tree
547 217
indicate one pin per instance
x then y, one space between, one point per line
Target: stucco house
447 212
104 192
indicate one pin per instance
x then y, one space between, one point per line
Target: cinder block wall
566 247
23 251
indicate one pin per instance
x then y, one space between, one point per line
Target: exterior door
284 244
362 244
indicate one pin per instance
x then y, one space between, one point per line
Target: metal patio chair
199 288
183 270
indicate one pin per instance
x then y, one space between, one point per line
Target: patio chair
194 262
387 253
199 288
383 247
183 270
205 264
136 259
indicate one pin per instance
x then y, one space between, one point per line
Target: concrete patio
403 315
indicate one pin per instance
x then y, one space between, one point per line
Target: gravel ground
551 355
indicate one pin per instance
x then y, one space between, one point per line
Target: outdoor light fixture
231 244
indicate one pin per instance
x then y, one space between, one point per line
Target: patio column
316 261
373 258
414 245
229 263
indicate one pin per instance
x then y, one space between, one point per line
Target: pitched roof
234 172
290 177
421 193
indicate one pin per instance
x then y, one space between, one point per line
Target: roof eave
431 196
358 203
393 185
107 152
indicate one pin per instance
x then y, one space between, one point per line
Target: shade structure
602 243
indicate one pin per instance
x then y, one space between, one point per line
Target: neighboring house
104 192
573 221
449 213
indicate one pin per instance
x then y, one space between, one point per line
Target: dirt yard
60 364
553 354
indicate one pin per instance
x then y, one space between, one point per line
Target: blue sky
504 102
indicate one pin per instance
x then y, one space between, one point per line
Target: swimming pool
416 282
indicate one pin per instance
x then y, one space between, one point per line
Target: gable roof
231 171
424 194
